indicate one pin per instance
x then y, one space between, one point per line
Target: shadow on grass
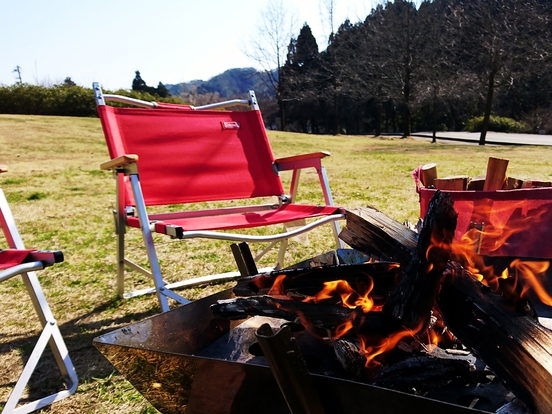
89 363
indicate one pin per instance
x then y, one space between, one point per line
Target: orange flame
347 296
387 344
529 272
488 238
277 288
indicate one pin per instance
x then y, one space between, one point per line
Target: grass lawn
62 201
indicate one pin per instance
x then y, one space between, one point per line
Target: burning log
329 318
414 297
308 282
516 347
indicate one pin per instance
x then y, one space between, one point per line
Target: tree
68 82
138 84
443 79
162 91
298 79
499 39
268 48
391 45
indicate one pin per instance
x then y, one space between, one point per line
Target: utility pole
18 70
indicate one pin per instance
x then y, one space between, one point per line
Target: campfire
410 324
417 322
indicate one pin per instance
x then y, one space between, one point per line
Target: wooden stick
496 174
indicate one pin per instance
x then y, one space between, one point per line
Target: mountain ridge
228 84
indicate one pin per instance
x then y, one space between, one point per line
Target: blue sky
167 41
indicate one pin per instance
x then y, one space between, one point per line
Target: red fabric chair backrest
188 156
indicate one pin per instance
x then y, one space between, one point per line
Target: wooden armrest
302 157
3 168
296 162
119 161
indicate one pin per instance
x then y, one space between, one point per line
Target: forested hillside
435 66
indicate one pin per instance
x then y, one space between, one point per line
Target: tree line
432 67
70 99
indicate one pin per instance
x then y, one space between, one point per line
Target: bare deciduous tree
268 46
499 39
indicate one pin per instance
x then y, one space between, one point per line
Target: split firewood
496 174
429 174
413 298
514 183
515 346
457 183
370 231
536 184
476 183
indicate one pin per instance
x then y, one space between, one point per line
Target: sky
168 41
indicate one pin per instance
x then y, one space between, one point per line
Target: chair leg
335 230
120 260
155 270
282 254
51 336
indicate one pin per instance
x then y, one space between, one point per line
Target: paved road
497 138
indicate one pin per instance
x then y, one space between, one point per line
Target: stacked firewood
496 178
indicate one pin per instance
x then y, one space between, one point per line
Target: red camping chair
175 154
14 261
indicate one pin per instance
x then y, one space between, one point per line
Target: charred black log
414 296
331 318
350 356
420 374
380 277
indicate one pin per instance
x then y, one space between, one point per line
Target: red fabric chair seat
283 214
11 257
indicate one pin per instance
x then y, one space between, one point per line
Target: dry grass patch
61 200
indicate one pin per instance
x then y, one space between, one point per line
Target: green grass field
61 200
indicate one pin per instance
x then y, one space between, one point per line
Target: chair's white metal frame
50 334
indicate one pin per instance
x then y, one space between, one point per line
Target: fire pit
267 350
185 360
188 360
